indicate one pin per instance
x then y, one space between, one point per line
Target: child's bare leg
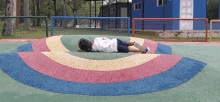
129 43
131 49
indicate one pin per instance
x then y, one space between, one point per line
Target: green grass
37 33
41 33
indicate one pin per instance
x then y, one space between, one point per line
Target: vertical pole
142 15
102 14
109 5
210 32
51 25
116 11
95 14
90 13
133 28
17 12
128 11
128 27
207 30
47 27
164 13
55 11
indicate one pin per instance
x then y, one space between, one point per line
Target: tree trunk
64 11
74 11
109 21
9 24
34 12
75 20
38 12
61 20
26 13
55 11
35 6
17 12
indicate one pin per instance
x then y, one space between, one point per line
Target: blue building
174 9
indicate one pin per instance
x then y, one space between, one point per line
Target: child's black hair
85 44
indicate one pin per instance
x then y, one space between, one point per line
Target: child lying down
103 44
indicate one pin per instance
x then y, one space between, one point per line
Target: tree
34 11
64 24
109 3
61 20
17 12
2 7
26 13
38 13
10 24
212 10
55 12
75 5
74 12
47 8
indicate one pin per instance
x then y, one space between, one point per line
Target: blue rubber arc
25 48
12 64
163 49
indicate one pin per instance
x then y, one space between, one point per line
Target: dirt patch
17 40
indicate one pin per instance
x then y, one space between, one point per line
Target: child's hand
79 50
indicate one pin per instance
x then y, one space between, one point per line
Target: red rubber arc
40 45
151 44
42 64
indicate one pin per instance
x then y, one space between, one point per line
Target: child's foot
146 50
141 48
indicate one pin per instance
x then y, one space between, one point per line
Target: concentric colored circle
69 43
177 75
54 44
100 65
39 62
52 64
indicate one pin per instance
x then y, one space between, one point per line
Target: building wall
151 10
176 14
136 14
154 11
111 24
199 12
199 7
172 11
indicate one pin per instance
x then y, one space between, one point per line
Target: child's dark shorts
122 47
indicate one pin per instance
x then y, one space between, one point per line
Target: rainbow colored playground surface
51 69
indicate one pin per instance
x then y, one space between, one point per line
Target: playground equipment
52 64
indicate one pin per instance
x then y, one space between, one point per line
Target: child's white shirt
105 45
